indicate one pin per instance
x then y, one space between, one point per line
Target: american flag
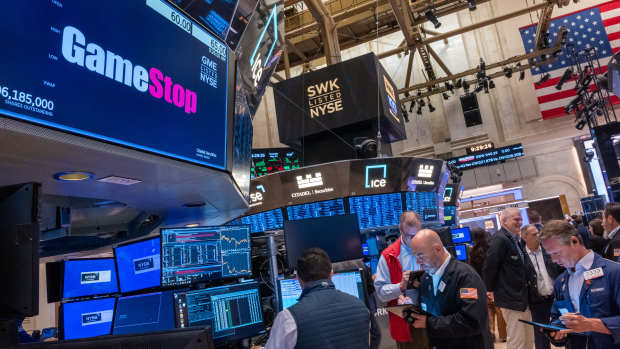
597 27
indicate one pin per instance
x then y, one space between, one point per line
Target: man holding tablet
586 295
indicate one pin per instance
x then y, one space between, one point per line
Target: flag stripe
560 94
609 6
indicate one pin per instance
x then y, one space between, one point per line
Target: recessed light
73 176
193 225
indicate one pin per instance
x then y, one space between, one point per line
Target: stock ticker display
374 211
425 204
261 222
233 311
316 209
192 255
487 157
214 14
266 161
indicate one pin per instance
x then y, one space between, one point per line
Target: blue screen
461 252
347 282
191 255
88 319
154 80
233 311
264 221
144 313
461 235
372 247
424 203
377 210
449 214
316 209
138 265
88 277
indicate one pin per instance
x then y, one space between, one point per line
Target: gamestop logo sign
93 57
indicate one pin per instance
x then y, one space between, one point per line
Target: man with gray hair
586 295
505 275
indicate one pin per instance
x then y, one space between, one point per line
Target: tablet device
547 327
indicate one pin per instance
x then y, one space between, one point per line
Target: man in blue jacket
586 295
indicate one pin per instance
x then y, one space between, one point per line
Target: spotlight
419 111
459 83
430 106
491 84
543 79
465 85
521 73
568 73
588 156
580 124
419 93
430 15
485 85
421 103
411 106
449 87
472 4
479 88
508 72
405 114
445 96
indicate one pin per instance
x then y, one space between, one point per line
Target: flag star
587 20
587 45
601 42
563 62
529 41
576 33
605 52
589 30
578 42
550 65
592 39
594 23
591 13
578 17
555 34
527 32
566 21
552 25
581 26
585 36
571 40
598 32
572 23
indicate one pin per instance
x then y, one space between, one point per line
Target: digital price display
215 15
148 79
316 209
374 211
485 158
424 203
266 161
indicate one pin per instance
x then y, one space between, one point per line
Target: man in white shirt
611 224
541 284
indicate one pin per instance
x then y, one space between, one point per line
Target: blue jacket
598 299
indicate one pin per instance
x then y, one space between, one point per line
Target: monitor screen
264 221
266 161
373 249
461 252
350 282
138 265
89 277
215 15
232 311
460 235
144 313
316 209
190 255
449 215
374 211
424 203
143 77
88 318
339 236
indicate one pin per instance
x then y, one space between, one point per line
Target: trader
324 317
505 275
453 295
391 280
586 295
611 223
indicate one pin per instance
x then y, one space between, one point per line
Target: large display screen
374 211
215 15
89 277
87 319
144 313
424 203
138 265
232 311
133 73
190 255
487 157
266 161
316 209
262 222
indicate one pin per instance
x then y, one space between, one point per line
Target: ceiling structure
317 29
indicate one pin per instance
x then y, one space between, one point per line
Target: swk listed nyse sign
324 98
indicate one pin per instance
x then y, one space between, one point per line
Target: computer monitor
460 235
375 211
350 282
144 313
190 255
316 209
233 311
339 236
373 249
87 319
461 252
89 277
138 264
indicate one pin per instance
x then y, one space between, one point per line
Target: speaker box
471 110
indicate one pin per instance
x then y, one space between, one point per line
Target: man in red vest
395 265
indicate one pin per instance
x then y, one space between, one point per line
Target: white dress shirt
543 280
438 274
283 333
386 290
576 279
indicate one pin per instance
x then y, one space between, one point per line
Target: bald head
426 246
511 220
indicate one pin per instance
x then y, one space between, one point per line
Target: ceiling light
193 225
72 176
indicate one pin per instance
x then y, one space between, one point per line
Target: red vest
399 329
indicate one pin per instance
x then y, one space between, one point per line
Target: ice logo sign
376 176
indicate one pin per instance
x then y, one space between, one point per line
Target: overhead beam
328 30
437 59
